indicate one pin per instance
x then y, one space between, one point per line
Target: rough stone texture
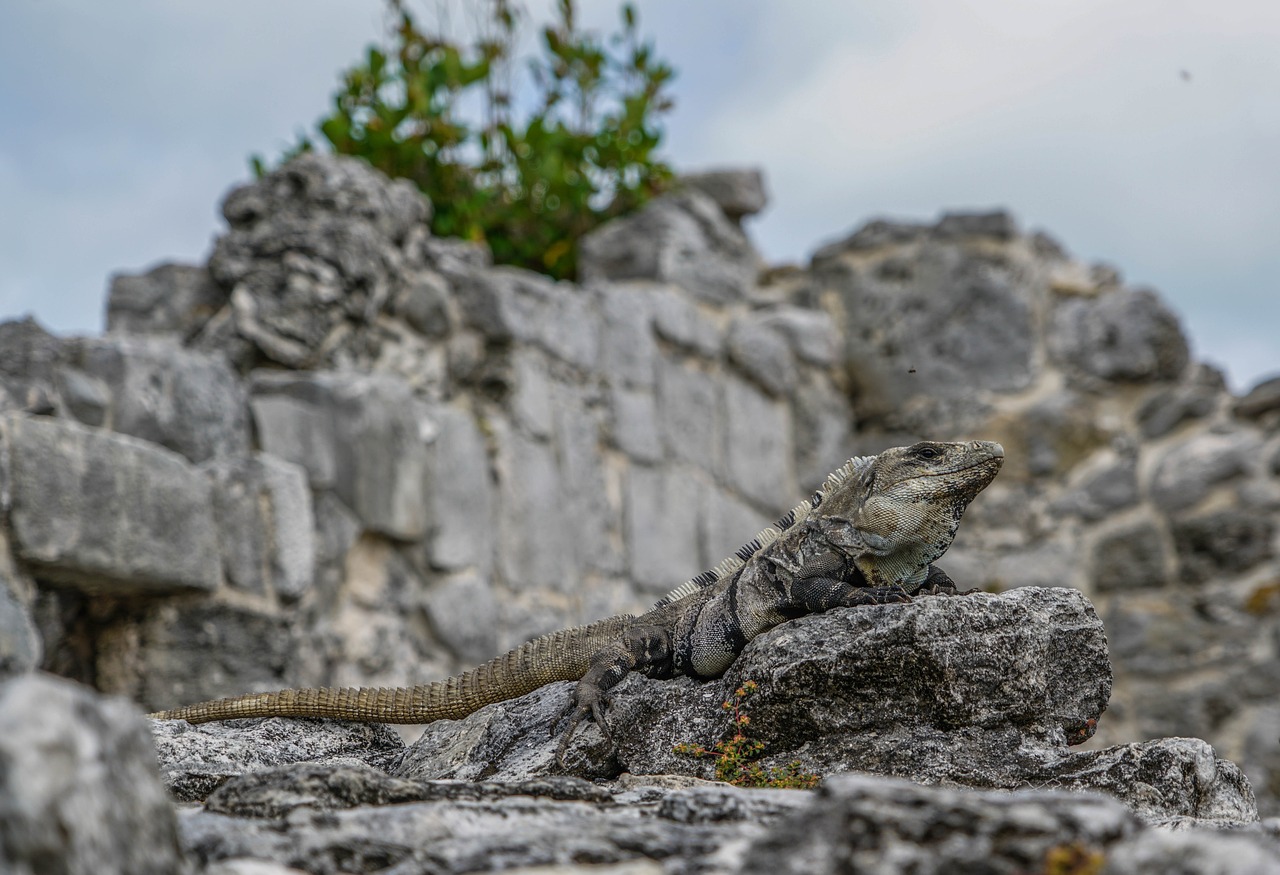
1224 542
187 401
738 193
79 791
1131 558
1128 335
1262 399
106 511
1191 468
196 760
20 645
167 299
363 436
682 238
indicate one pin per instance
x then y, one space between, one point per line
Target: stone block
689 414
812 334
738 192
20 644
763 354
1222 543
677 320
460 494
1125 336
727 523
265 525
190 402
1130 558
590 512
822 429
1103 485
536 544
423 302
364 436
531 392
508 303
682 238
1195 398
629 353
758 450
106 511
1259 401
661 519
1189 470
167 299
463 611
79 791
635 424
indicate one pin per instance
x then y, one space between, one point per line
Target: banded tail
564 655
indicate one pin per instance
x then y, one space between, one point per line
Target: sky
1144 134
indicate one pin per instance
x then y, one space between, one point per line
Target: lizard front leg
828 581
940 583
641 648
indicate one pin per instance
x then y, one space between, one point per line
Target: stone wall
344 451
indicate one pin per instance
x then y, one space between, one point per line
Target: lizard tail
558 656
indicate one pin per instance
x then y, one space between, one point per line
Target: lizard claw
586 705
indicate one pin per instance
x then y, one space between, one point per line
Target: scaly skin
870 535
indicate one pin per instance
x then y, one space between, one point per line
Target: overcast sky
1145 133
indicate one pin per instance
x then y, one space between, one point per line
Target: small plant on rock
735 758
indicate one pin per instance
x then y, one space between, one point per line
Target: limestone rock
682 238
106 511
738 193
167 299
79 791
1122 336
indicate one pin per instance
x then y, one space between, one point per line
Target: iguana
868 535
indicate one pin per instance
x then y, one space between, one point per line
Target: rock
738 193
79 791
1133 557
996 224
460 494
1105 484
508 303
1126 336
196 760
1194 399
265 527
635 425
1260 400
364 436
661 527
113 513
860 823
682 238
1222 543
689 414
678 320
190 402
170 298
29 357
763 354
20 643
758 455
313 256
1191 468
628 351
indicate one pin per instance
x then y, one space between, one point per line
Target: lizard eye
927 453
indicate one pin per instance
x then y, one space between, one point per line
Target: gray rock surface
738 193
79 791
91 508
167 299
1127 335
682 238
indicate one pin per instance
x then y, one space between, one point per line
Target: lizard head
901 509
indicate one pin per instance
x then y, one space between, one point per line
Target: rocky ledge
977 700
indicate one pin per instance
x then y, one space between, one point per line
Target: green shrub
532 182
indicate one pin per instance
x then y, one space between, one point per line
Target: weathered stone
463 611
875 234
682 238
1262 399
189 652
738 193
1194 399
531 394
20 643
813 336
87 398
590 512
424 303
1222 543
508 303
363 436
661 525
265 528
196 760
629 353
822 427
536 545
763 353
727 523
758 451
678 320
29 360
1169 633
167 299
689 414
188 401
1190 469
997 224
1103 485
1131 558
106 511
1126 336
79 791
459 494
635 424
936 321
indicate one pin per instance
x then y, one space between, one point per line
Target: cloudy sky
1143 133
